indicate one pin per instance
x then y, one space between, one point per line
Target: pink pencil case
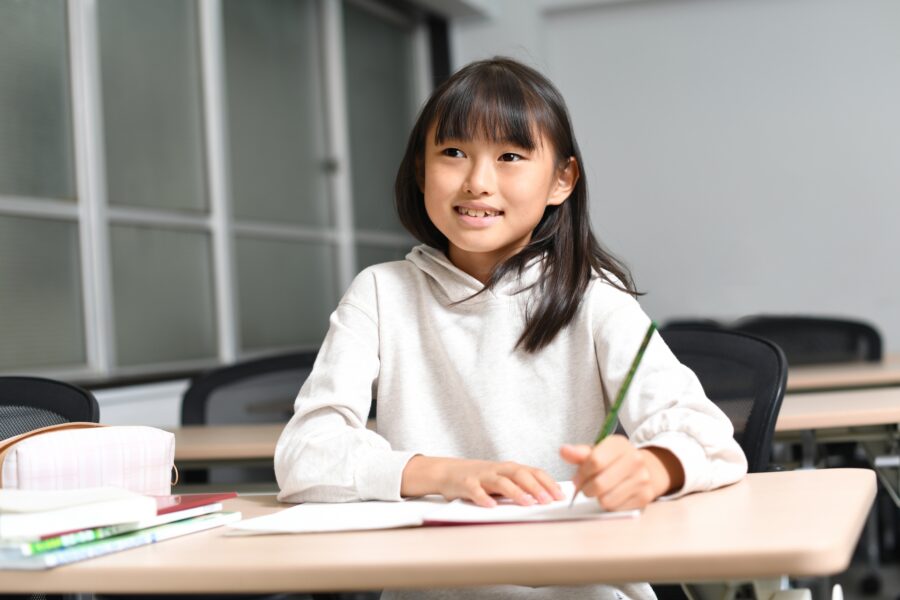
81 455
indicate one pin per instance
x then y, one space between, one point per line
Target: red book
175 502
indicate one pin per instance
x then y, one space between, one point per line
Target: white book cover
26 514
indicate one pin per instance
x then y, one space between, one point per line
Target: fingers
573 454
478 481
615 473
478 495
592 460
550 485
523 485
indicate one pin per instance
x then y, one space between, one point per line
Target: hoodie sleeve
666 406
325 453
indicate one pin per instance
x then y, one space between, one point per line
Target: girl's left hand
620 476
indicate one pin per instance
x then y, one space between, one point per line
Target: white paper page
313 517
463 511
356 516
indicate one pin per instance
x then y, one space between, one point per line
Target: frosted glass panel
150 70
274 117
35 118
368 254
380 96
286 291
162 294
41 311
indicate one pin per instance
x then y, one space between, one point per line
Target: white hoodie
450 382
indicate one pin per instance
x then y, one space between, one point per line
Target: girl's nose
481 180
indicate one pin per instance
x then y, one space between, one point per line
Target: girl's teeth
478 213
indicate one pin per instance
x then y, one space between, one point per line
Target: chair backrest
692 323
255 391
28 403
811 340
744 375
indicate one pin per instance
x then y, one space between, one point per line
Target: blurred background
188 183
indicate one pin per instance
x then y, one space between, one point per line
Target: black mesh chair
29 403
816 340
746 377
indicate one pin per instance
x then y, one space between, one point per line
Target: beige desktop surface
798 523
204 443
852 408
849 375
218 442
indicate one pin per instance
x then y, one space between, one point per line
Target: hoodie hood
458 285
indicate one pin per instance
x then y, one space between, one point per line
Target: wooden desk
759 528
869 417
820 410
206 444
840 409
213 443
845 376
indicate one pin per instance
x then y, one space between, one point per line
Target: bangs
490 106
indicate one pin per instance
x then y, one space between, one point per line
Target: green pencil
610 422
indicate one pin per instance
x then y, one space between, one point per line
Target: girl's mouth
477 213
477 217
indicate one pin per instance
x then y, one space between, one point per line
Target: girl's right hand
478 481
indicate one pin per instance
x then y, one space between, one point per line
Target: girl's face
487 197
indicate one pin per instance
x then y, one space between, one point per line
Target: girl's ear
566 178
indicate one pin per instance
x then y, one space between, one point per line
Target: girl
499 339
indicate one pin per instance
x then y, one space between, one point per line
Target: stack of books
44 529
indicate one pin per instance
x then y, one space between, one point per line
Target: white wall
743 156
156 405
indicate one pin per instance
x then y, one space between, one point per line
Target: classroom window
188 183
379 56
279 309
151 98
162 295
384 76
40 293
274 113
35 116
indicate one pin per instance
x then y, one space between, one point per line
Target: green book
73 538
141 537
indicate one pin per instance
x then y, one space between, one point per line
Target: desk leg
885 458
808 445
711 591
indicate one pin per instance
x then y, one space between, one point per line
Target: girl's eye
510 157
453 152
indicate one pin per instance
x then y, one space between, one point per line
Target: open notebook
354 516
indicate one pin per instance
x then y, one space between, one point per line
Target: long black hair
502 100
